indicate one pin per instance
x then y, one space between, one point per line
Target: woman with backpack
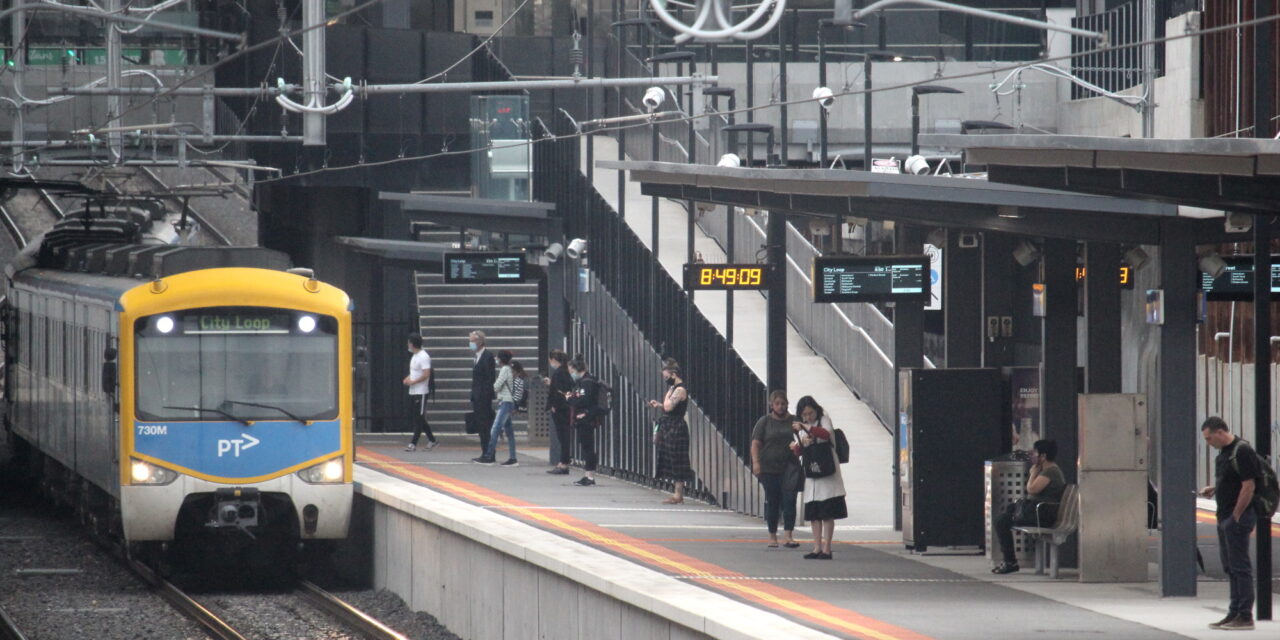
671 433
823 497
586 414
504 390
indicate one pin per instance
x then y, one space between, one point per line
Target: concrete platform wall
486 576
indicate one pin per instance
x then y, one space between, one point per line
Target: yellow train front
233 413
170 396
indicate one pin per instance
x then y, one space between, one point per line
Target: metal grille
1006 482
1227 72
1113 69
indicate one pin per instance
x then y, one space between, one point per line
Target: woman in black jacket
584 403
559 384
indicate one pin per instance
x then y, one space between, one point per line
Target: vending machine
949 425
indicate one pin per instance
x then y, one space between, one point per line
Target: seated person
1045 483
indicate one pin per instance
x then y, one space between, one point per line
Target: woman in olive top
1045 483
770 455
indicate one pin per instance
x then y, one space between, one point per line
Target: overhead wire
478 47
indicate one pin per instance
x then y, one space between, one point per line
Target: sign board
882 165
1236 282
935 278
1126 276
726 277
483 267
870 278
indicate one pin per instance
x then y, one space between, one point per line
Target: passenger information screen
1236 282
483 267
870 278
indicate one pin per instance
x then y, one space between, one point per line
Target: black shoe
586 482
483 460
1242 622
824 556
1218 625
511 463
791 545
558 471
812 555
1006 567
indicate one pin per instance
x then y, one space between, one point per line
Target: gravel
103 601
389 609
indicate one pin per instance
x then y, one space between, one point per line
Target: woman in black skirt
823 497
671 436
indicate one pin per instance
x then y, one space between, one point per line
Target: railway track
9 629
202 220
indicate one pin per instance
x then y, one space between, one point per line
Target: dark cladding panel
448 112
395 56
345 58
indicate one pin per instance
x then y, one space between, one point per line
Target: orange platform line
798 605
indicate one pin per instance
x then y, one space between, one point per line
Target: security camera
824 97
576 249
653 98
553 253
1237 222
917 165
729 160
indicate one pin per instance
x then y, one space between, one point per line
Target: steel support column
776 320
962 289
908 352
1177 434
1058 346
1262 394
997 298
1102 317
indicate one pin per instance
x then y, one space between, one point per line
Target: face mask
671 382
576 376
473 346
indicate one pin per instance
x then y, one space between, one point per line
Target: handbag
819 460
793 477
1024 512
469 420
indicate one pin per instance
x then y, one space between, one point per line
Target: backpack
842 446
1267 492
520 393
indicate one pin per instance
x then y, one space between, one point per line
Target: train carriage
177 391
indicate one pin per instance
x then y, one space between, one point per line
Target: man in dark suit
483 374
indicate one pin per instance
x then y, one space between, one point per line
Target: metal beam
120 17
908 353
1262 394
1102 317
1058 388
982 13
313 124
962 314
1177 435
517 85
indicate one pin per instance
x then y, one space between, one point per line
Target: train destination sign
870 278
484 267
235 322
726 277
1236 282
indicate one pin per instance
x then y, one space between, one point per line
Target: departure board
870 278
483 267
1236 282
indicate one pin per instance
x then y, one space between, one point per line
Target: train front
235 407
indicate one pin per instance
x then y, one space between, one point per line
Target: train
169 392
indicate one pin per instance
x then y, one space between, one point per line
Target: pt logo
235 446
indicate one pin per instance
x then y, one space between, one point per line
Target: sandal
673 500
791 545
1005 568
773 545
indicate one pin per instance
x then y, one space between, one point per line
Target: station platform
872 588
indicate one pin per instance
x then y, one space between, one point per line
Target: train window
247 362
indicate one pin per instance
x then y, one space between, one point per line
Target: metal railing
857 339
1118 67
726 391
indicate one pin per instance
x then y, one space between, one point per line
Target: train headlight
147 473
164 324
327 472
307 324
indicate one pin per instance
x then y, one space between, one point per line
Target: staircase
508 316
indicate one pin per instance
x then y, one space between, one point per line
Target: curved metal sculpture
713 19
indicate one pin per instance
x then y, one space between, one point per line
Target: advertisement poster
1024 383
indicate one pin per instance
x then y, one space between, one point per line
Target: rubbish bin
1006 482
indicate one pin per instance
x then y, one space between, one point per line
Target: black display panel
726 277
870 278
483 267
1236 283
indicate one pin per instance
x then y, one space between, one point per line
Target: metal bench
1048 539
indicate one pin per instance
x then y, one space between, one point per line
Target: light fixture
730 160
1212 264
1136 258
576 249
1237 222
553 253
937 237
307 324
824 97
1026 253
1007 211
164 324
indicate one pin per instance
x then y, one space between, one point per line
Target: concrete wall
484 576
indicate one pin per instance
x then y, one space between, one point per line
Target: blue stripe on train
233 450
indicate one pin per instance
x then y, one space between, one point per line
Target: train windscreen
238 364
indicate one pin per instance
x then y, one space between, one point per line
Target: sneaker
1242 622
586 482
558 471
511 463
412 447
1006 567
483 460
813 555
433 444
1218 625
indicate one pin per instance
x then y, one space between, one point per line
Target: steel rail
215 625
346 613
202 220
8 628
12 228
48 200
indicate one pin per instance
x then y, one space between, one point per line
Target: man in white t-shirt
419 381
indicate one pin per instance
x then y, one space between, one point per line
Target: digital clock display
726 277
870 279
